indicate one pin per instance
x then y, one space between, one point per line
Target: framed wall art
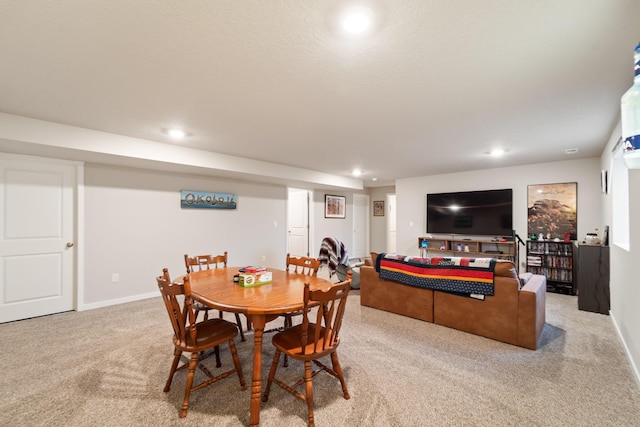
378 208
552 210
190 199
604 181
335 206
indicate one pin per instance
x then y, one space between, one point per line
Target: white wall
624 289
411 195
134 226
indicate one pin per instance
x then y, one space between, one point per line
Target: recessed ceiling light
497 152
356 172
570 151
176 133
374 179
357 20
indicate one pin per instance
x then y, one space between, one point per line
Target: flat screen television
488 212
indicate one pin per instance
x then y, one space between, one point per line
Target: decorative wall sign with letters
206 200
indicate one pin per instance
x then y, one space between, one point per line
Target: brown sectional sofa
515 314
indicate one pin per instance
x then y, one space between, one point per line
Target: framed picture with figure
335 206
378 208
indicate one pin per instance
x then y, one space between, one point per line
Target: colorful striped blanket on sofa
464 276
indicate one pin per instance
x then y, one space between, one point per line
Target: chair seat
208 333
289 342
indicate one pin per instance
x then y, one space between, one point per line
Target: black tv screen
488 212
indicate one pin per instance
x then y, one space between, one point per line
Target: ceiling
431 87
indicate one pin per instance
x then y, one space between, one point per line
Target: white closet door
360 226
391 223
298 217
36 237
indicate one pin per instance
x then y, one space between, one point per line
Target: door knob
69 244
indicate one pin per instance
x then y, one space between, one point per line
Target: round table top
216 289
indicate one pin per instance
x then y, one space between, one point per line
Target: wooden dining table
261 304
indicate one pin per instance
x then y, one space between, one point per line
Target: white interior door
391 223
298 219
36 237
360 226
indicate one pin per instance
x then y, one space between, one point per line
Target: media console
460 247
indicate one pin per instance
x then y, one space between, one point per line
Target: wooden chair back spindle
303 265
204 262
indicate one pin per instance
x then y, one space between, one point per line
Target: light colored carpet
107 367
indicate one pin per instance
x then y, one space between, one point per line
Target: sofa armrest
531 311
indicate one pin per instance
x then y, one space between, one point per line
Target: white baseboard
634 368
91 306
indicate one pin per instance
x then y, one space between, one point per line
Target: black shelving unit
556 261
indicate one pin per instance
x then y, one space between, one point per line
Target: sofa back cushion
506 268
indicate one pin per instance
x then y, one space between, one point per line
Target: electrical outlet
115 277
264 258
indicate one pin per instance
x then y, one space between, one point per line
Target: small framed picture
604 181
335 206
378 208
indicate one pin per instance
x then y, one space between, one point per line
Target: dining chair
297 265
310 341
206 262
194 337
300 265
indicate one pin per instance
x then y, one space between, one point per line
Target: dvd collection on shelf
555 261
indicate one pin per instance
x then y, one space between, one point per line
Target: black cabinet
593 278
555 261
